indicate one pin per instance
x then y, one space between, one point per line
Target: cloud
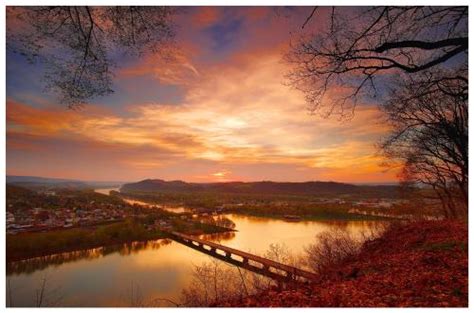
233 116
169 67
205 16
239 114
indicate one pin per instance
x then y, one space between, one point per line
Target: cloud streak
236 121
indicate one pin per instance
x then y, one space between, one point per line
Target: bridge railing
291 271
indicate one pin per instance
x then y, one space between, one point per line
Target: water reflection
164 207
256 234
161 269
106 191
173 209
219 237
40 263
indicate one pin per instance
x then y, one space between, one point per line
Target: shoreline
437 275
86 246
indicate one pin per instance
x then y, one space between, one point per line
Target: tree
78 45
429 118
363 49
414 61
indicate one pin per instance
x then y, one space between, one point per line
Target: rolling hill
35 182
263 187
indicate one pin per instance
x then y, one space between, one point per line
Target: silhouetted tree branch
414 60
429 118
360 52
78 44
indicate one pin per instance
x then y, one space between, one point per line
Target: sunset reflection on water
158 269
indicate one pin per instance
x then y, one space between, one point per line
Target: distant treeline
277 206
265 187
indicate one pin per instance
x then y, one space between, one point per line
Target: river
106 276
174 209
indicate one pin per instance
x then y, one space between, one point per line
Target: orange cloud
238 115
169 67
31 119
205 16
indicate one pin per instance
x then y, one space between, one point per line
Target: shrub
330 248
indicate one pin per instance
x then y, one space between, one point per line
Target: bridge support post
280 272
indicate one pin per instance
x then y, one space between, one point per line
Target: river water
112 276
174 209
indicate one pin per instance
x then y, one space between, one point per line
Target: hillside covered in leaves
421 264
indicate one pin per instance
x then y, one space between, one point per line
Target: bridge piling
269 268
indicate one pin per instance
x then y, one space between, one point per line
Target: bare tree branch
363 52
78 44
309 17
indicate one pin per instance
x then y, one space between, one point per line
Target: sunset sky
220 112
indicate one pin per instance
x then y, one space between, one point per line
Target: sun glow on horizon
221 176
208 115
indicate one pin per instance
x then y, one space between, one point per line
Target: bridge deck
292 272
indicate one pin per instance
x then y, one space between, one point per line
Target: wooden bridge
275 270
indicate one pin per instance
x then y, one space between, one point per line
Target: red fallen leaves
421 264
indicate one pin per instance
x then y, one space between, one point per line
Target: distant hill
35 182
263 187
17 191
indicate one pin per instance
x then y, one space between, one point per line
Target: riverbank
320 216
35 244
275 207
420 264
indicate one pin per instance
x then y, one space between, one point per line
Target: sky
220 111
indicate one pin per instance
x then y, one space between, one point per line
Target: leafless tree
429 118
216 282
40 293
133 297
362 50
78 45
334 246
46 294
414 61
331 248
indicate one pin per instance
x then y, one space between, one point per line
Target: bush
331 248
